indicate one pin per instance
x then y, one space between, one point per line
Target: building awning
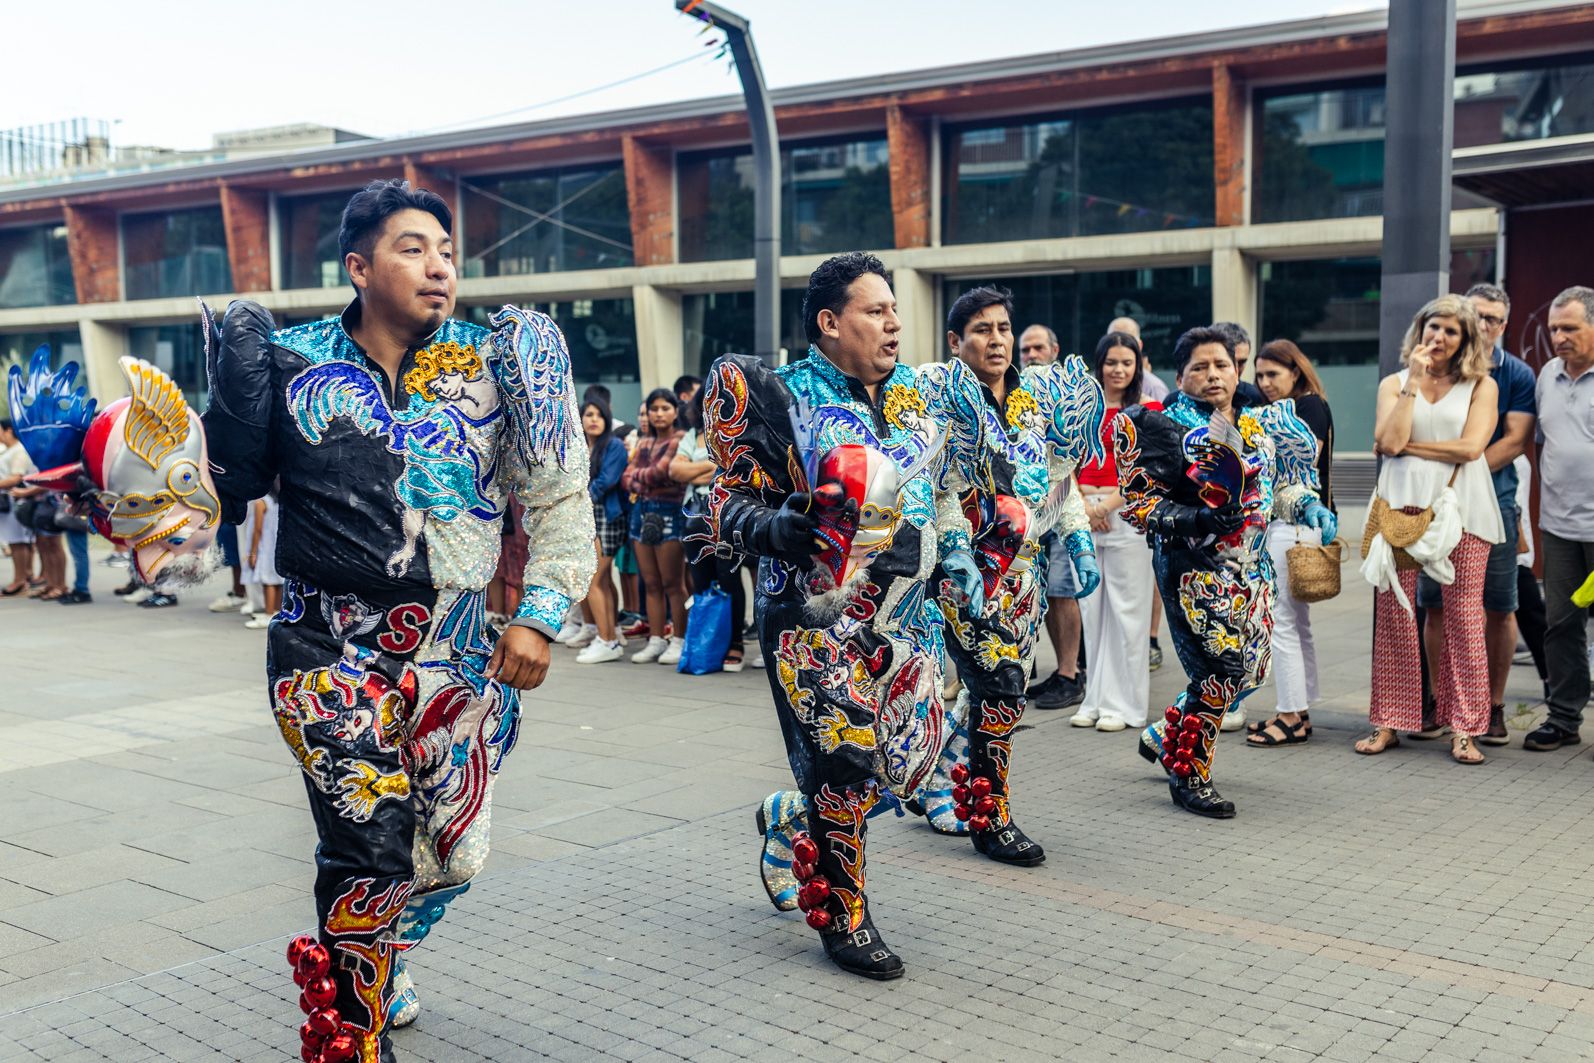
1528 173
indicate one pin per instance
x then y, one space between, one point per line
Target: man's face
1571 333
986 345
1242 355
407 283
688 393
863 337
1492 317
1035 347
1210 375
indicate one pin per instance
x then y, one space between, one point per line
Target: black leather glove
1224 520
789 532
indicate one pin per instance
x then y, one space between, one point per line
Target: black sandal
1256 727
1294 734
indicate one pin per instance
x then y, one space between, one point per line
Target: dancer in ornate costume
1202 479
396 435
832 472
1036 428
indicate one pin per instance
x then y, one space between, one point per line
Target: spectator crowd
1448 546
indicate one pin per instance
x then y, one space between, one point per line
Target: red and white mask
856 473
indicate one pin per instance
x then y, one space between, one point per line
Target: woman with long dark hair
1284 372
1117 618
656 527
599 642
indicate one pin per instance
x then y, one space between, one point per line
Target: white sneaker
600 652
651 652
1233 720
227 603
584 637
672 654
1085 717
566 633
1110 723
137 596
258 622
757 661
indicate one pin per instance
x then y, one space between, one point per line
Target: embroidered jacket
748 425
1155 452
388 487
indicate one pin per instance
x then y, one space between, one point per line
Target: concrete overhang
1531 173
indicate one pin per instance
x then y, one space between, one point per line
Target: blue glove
1087 574
1320 518
960 567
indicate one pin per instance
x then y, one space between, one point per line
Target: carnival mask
855 473
144 479
1001 543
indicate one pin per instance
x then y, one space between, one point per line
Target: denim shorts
1499 578
1060 582
664 513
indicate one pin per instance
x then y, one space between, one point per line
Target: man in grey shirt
1566 510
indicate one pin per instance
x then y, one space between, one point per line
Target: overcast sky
174 72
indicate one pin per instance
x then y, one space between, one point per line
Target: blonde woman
1434 421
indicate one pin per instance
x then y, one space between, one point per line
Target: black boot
1009 845
862 952
1195 794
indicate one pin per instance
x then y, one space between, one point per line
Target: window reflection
716 323
35 268
601 334
1083 174
545 222
169 253
179 351
308 236
835 196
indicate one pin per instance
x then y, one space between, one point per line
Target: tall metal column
766 173
1418 128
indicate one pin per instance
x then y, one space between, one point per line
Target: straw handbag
1399 529
1314 569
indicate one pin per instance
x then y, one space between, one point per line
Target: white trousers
1117 623
1294 656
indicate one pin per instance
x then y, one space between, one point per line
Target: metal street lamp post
766 173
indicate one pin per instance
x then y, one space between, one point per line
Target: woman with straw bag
1434 510
1307 570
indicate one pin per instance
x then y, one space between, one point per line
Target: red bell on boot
325 1022
979 823
803 850
320 992
980 787
297 946
960 794
962 812
1172 716
802 872
340 1048
315 961
1191 724
959 773
309 1054
308 1036
818 918
819 889
1168 761
985 805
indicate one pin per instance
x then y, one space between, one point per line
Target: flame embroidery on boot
847 811
999 718
359 913
369 970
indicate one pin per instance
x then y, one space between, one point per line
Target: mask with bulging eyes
857 507
145 463
1002 546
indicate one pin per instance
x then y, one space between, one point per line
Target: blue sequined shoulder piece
325 341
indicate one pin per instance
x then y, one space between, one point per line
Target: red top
1104 473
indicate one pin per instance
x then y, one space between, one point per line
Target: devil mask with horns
137 469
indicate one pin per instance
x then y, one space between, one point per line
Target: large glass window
1552 98
835 196
16 348
546 221
601 334
1321 154
35 269
1084 173
1330 308
307 236
1079 306
179 350
181 252
716 323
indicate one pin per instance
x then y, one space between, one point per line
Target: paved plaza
155 855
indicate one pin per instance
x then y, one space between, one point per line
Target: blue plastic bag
708 632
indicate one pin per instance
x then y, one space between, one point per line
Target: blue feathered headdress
51 415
